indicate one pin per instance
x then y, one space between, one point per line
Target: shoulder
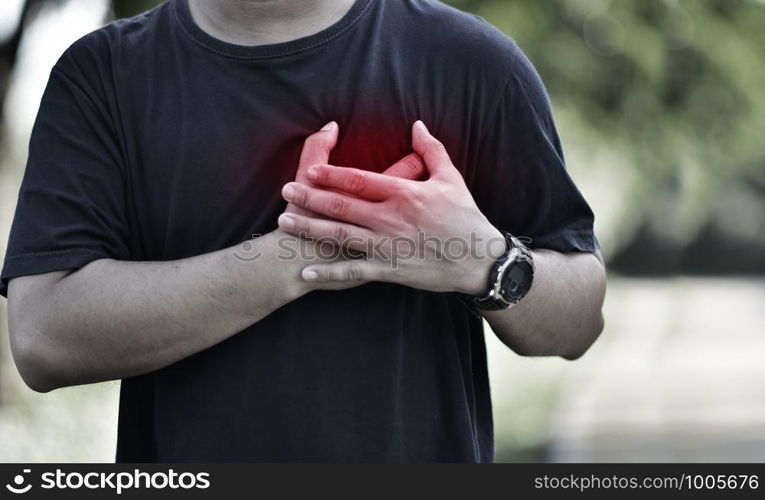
99 49
470 41
459 37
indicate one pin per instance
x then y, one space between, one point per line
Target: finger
410 167
369 185
317 148
348 271
432 151
331 204
340 233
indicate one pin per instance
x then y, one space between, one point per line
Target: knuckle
301 197
356 181
322 175
302 226
413 195
340 233
332 274
412 166
337 206
436 146
353 272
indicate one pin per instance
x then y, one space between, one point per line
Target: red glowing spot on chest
371 148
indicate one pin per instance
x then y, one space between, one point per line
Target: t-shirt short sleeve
71 207
521 183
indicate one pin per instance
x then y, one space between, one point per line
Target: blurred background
661 108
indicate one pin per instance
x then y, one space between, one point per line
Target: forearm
561 315
115 319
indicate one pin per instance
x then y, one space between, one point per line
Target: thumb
317 148
431 150
349 271
410 167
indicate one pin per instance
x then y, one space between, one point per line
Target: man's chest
205 171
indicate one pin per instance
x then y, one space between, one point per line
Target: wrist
473 277
287 256
511 278
295 253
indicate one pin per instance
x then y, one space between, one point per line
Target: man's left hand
425 234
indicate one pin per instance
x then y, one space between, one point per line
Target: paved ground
677 376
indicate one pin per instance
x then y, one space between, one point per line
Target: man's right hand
118 319
316 151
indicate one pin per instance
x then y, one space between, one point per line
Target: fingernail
329 126
310 275
287 221
288 192
419 123
313 173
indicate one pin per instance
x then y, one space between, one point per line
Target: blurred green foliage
676 90
128 8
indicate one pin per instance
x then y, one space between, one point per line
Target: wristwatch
510 278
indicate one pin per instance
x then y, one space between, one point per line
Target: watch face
517 281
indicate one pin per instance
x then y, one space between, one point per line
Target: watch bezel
496 297
505 292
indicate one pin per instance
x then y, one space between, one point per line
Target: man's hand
448 242
450 246
316 151
119 319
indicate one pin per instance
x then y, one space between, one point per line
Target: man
165 141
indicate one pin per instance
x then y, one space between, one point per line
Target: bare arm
561 315
114 319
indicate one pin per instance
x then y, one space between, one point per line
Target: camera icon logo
18 483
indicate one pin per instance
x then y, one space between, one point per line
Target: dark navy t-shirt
155 141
